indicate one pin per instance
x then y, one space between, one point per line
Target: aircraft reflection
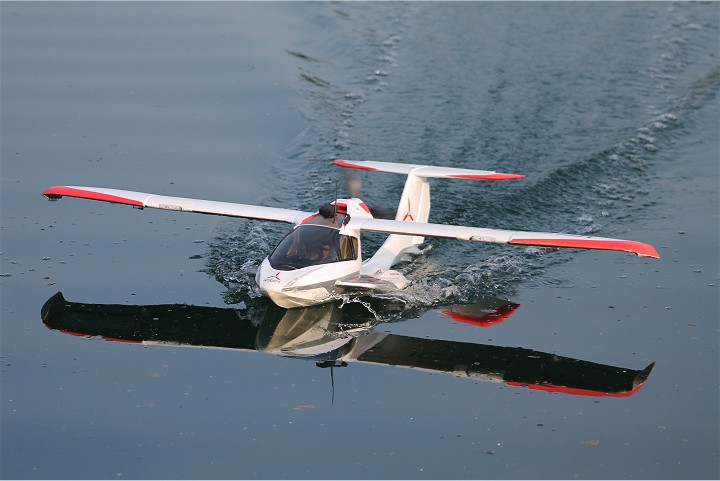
334 336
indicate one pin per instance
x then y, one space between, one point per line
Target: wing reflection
335 336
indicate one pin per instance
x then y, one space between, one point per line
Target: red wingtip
54 193
646 250
639 248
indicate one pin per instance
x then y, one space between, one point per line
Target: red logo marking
275 278
408 213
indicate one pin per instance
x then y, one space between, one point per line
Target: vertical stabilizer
414 206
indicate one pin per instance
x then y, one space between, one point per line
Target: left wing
498 236
141 200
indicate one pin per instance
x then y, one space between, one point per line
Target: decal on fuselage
275 278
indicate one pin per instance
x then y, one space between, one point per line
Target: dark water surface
610 109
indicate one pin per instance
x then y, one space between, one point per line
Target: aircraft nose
269 280
273 281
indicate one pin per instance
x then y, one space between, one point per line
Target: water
610 110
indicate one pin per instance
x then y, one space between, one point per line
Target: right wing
142 200
478 234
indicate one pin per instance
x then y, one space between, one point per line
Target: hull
303 297
305 287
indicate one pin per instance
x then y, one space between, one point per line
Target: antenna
332 384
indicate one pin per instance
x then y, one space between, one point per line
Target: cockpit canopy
309 245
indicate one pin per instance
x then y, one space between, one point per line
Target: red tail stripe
488 176
345 163
489 319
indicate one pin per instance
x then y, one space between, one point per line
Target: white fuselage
296 274
304 267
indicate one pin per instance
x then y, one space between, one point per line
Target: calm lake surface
610 110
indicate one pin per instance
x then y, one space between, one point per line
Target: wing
142 200
498 236
426 170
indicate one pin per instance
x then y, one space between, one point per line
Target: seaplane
321 259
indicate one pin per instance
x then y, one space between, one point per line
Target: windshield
310 245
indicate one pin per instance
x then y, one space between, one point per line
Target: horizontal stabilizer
426 171
478 234
485 312
142 200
